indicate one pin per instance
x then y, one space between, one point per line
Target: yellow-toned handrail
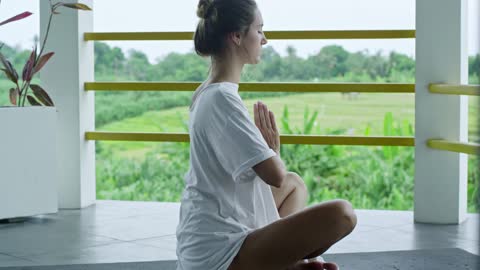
458 147
285 139
256 87
136 136
455 89
328 34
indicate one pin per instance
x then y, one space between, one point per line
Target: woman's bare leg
286 241
292 196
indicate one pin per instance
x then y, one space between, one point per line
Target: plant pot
28 164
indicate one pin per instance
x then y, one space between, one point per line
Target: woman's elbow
281 179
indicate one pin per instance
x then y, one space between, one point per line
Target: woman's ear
236 37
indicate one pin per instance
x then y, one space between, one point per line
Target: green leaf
388 124
41 95
33 101
8 74
305 116
9 69
309 125
368 130
388 131
14 95
284 120
28 68
42 61
17 17
77 6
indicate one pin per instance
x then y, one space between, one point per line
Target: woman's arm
272 170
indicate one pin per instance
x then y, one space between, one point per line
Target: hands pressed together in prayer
265 122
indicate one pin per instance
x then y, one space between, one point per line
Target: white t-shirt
224 199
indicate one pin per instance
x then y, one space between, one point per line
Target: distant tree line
331 62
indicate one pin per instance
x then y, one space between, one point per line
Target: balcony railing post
63 77
441 57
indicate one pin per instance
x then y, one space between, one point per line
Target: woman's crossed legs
301 234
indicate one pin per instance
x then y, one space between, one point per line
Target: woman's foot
330 266
314 265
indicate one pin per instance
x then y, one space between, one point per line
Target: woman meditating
241 209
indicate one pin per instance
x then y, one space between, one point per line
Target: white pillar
63 77
441 57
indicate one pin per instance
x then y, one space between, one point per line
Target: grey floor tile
137 208
124 231
383 218
381 240
470 246
135 228
441 232
6 260
167 244
366 228
118 252
105 211
31 239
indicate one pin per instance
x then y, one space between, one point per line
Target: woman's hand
265 122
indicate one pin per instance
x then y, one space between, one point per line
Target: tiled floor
120 231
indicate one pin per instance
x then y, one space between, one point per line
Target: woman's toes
314 265
330 266
307 266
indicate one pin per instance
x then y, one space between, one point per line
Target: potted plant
28 181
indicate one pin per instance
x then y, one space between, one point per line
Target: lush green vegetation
370 177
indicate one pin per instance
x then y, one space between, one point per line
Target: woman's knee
346 213
298 182
340 212
343 209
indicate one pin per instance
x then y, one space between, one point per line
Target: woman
240 208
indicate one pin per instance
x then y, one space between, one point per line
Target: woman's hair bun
205 7
219 18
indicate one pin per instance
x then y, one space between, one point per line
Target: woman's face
254 40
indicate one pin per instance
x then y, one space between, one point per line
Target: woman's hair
219 18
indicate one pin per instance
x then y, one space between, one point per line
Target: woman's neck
227 70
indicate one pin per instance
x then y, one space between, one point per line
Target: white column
63 77
441 57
